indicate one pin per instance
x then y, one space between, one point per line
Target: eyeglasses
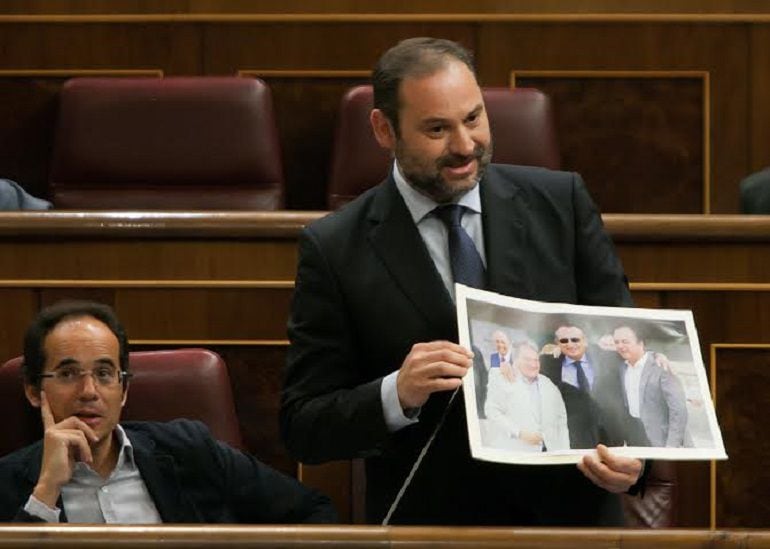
102 376
572 339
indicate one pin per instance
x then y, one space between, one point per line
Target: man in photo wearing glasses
584 377
90 468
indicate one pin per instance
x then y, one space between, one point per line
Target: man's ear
125 396
383 130
33 394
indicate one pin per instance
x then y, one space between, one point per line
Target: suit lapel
159 473
649 370
396 240
505 237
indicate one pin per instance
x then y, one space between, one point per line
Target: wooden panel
638 139
200 314
382 6
158 260
719 50
306 112
742 396
759 117
19 308
173 48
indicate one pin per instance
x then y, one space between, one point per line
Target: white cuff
38 509
395 418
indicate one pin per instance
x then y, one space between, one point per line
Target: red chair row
211 143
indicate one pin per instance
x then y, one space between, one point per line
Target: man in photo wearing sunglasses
90 468
584 375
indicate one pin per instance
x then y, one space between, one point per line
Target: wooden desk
224 281
364 537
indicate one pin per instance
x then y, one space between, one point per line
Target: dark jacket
191 477
367 290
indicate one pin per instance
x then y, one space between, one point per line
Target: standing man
372 361
502 354
654 397
584 378
90 468
526 414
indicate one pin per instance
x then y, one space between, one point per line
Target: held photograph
550 381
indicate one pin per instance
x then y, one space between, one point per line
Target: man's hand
507 371
535 439
613 473
662 361
431 367
64 443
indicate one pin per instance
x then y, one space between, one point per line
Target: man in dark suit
372 361
89 468
502 348
583 375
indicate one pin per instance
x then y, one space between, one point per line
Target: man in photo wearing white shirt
654 397
527 414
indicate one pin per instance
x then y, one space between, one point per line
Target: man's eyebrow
476 111
69 361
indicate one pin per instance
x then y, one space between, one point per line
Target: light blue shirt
435 236
569 372
121 498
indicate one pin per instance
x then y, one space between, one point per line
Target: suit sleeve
327 410
673 392
598 272
261 494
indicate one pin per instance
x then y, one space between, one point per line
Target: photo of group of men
560 382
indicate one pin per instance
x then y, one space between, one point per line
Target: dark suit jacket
191 477
367 291
589 419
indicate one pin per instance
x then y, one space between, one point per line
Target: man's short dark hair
52 316
410 58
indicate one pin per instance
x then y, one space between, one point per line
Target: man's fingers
75 423
45 411
617 463
76 443
443 345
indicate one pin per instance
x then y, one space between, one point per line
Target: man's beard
431 183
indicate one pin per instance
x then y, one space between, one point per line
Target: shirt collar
640 362
420 206
84 474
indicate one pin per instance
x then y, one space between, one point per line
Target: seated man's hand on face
64 444
609 471
431 367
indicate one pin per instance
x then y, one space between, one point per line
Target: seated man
90 468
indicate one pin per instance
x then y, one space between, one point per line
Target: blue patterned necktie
467 267
582 378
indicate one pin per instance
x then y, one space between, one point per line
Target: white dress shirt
436 238
121 498
632 381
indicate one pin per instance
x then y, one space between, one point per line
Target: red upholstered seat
520 120
166 143
181 383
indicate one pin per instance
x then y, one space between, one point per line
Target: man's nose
87 385
462 142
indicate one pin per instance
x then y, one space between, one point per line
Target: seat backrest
755 193
166 143
520 119
179 383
